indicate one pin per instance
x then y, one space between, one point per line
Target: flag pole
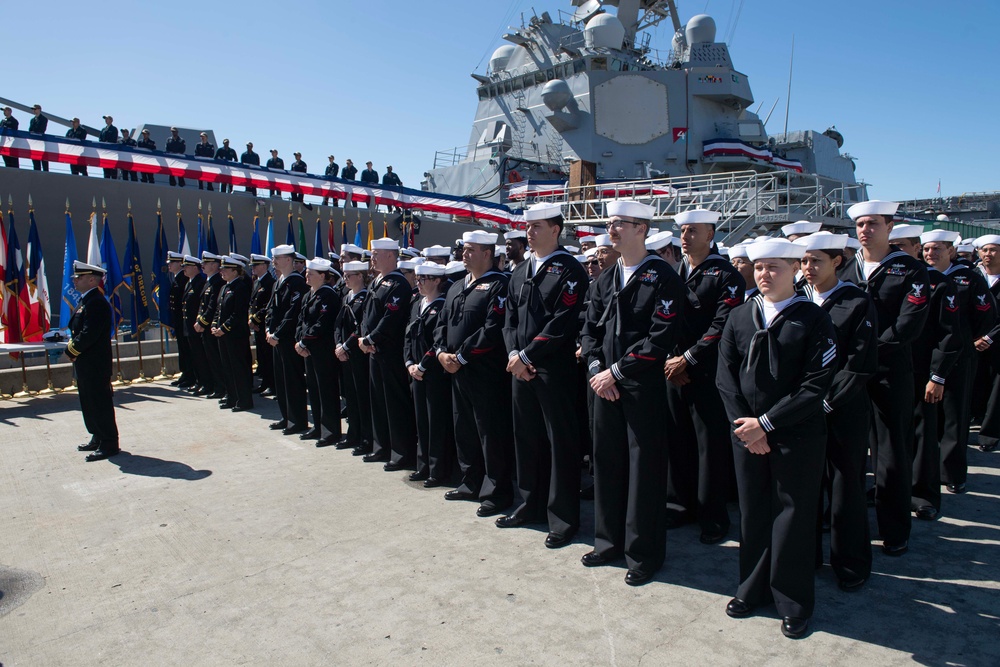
49 388
163 357
24 381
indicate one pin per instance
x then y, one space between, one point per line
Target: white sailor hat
351 248
801 227
590 252
319 264
738 251
409 252
965 247
988 239
580 258
207 256
245 260
906 232
366 253
84 269
355 266
299 257
659 240
279 250
724 252
332 256
771 248
571 248
603 240
853 243
385 243
872 207
941 235
630 209
541 211
259 259
406 265
429 269
499 250
451 268
515 234
191 260
479 237
175 256
699 216
230 262
823 241
436 251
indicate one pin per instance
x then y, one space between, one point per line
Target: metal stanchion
142 371
24 381
49 388
120 379
163 357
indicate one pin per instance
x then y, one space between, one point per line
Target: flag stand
142 371
49 388
24 381
120 379
163 358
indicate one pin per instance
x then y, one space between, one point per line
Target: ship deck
211 540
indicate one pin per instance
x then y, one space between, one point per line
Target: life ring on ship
514 177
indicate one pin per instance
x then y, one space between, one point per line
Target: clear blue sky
912 85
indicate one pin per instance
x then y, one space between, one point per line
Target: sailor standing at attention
90 350
282 320
898 285
547 293
847 406
315 343
231 330
632 323
987 382
354 362
777 359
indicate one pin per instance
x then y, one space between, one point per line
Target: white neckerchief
992 278
819 298
870 267
771 310
538 261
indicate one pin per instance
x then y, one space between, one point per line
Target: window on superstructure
484 93
599 64
579 66
539 77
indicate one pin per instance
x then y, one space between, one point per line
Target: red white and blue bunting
737 148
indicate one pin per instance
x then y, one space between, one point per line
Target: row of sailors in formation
478 378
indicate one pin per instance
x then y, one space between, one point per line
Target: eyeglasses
619 223
422 279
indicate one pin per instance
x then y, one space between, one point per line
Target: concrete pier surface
213 541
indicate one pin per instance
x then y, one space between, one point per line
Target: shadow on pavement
148 466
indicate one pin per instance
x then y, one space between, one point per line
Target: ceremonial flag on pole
318 241
161 276
357 234
38 286
343 233
371 233
290 235
255 248
211 244
183 245
232 235
135 279
269 237
404 235
113 279
70 295
15 313
301 246
201 237
413 234
385 229
93 245
3 272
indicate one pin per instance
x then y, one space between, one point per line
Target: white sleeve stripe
616 373
523 357
765 423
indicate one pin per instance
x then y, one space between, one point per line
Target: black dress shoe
432 483
259 390
895 549
419 476
324 442
375 458
278 425
738 608
638 577
956 488
294 429
267 393
851 585
512 520
360 450
344 444
396 466
596 559
455 494
712 537
557 541
175 383
241 408
311 434
794 628
488 508
926 513
101 455
216 395
226 406
89 447
200 391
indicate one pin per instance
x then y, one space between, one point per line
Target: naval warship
581 108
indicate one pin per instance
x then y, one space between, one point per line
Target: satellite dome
604 31
500 57
556 94
699 29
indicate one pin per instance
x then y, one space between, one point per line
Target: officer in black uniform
260 296
282 320
8 122
382 332
369 177
80 134
299 167
315 342
701 463
127 140
149 144
547 293
332 171
231 330
175 301
90 350
191 303
204 148
847 406
986 405
430 385
354 362
37 125
898 285
275 162
391 178
470 346
632 323
777 359
176 145
215 376
109 135
252 159
229 155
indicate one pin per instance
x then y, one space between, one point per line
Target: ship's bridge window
579 66
508 86
518 83
599 64
484 93
494 90
539 77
